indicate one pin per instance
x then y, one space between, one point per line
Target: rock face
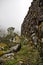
34 16
32 26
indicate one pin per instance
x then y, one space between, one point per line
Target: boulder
8 56
11 50
16 48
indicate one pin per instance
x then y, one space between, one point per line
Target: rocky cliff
34 16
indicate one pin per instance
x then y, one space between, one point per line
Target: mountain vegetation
18 50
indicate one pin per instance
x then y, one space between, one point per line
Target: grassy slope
27 54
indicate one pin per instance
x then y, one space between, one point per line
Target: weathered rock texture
32 26
35 14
